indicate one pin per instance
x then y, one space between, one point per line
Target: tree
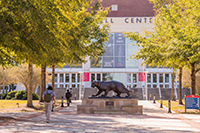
181 19
169 43
51 32
20 74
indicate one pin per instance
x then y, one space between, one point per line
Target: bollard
17 104
161 103
169 111
150 96
75 96
52 107
62 102
154 98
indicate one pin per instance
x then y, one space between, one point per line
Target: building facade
116 64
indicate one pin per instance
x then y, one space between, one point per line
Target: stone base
110 106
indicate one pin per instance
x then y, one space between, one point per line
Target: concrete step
110 112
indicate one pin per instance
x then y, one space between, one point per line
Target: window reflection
119 62
148 78
107 76
73 78
56 77
154 78
134 78
67 78
61 78
161 78
166 78
108 62
96 62
128 78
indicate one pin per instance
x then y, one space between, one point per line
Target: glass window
61 85
166 86
128 78
119 38
107 76
119 62
109 50
66 85
73 85
61 78
166 78
99 77
111 39
134 78
96 62
148 86
108 62
154 78
67 78
154 86
78 85
78 77
148 78
131 63
134 86
131 50
161 86
56 77
92 77
161 78
128 86
73 78
119 50
75 65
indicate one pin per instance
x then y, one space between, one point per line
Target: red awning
192 96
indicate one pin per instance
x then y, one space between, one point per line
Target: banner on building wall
85 77
142 77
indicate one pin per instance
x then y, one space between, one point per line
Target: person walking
48 96
68 95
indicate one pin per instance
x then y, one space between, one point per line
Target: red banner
142 77
85 77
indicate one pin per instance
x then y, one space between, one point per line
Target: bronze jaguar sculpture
107 86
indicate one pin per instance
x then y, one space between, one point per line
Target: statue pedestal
114 106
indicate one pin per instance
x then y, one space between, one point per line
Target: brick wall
130 8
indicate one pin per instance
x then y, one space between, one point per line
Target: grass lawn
20 106
178 108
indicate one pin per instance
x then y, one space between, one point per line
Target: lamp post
146 85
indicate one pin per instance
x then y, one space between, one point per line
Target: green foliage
174 41
35 96
20 94
11 95
3 96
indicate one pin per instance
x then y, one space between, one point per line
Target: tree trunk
173 96
193 78
3 89
30 84
43 81
6 89
180 86
53 77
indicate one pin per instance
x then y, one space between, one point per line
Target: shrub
35 96
3 96
11 95
20 94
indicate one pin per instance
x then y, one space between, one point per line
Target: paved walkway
65 119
